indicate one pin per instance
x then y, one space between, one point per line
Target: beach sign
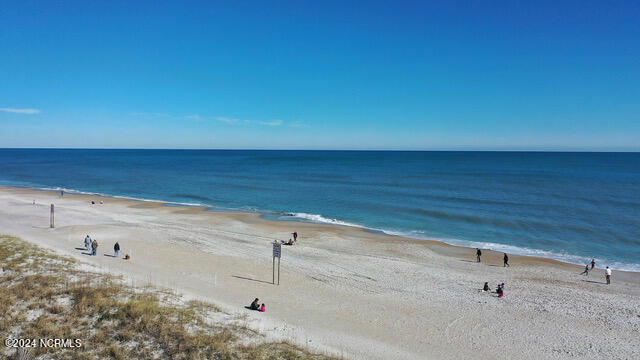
277 250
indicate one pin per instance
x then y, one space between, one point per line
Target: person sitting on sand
290 242
255 305
263 308
94 247
486 287
499 291
586 270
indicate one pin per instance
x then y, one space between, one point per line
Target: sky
472 75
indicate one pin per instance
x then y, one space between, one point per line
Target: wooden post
273 272
51 217
278 271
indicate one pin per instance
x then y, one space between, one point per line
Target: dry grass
45 296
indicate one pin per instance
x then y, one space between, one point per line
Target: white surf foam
79 192
323 220
416 234
510 249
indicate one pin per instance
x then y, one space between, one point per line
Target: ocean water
567 206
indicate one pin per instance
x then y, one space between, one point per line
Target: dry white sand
343 290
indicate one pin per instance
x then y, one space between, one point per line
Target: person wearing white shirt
607 273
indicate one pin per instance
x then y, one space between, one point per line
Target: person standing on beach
94 247
506 260
607 274
593 263
87 242
116 249
61 193
478 254
295 236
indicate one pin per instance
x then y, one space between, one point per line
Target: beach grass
46 296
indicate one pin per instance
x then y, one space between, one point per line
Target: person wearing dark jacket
586 270
486 287
116 249
506 260
94 247
255 305
478 254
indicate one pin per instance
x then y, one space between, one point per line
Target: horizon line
346 149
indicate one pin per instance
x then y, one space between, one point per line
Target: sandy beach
346 291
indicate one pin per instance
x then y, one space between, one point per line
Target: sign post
277 250
51 218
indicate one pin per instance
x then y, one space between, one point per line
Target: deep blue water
568 206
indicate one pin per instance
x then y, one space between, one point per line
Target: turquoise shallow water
567 206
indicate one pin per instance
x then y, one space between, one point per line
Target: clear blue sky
558 75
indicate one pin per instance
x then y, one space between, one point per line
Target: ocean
565 206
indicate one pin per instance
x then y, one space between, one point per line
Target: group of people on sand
92 244
291 242
607 271
499 289
505 258
255 305
586 267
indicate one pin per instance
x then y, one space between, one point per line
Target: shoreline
296 221
344 291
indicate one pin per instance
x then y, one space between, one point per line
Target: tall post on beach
277 247
51 218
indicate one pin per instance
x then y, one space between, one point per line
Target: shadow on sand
595 282
250 279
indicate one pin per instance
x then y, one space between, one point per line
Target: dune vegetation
45 296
